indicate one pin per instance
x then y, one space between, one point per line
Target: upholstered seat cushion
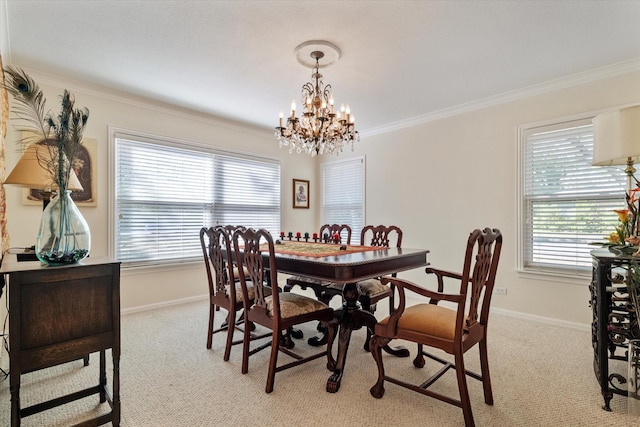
309 280
292 304
371 287
428 319
236 273
250 290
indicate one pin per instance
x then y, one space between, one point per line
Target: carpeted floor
542 376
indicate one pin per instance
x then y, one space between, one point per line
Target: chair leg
376 345
231 328
273 360
464 391
486 377
418 362
245 345
210 330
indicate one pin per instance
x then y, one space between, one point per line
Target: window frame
571 274
174 143
356 230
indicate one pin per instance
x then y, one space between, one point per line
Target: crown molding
114 95
589 76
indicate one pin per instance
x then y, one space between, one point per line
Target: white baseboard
585 327
148 307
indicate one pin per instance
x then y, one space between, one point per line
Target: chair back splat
342 230
453 330
486 246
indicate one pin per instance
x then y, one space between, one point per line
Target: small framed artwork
300 193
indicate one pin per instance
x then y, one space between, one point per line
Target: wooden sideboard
614 321
60 314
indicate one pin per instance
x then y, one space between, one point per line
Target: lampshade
617 137
30 172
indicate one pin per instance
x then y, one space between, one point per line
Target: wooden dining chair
323 290
319 287
373 290
453 330
276 311
223 290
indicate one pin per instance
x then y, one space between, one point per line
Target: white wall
439 180
436 180
152 286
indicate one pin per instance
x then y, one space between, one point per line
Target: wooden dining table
346 266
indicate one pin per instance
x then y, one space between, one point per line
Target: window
565 202
165 191
343 194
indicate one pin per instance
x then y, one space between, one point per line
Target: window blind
567 203
343 194
164 194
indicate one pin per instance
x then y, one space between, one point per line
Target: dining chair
319 287
453 330
323 290
276 311
373 290
223 291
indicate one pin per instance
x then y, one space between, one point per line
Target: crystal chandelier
319 129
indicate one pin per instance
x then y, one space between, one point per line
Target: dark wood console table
61 314
614 320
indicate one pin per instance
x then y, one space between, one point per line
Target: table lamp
31 172
617 140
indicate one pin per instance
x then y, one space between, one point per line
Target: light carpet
542 375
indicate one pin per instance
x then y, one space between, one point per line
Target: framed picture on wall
85 168
300 193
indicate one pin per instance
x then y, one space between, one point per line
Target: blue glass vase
64 236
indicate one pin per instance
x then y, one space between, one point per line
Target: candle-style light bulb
293 109
281 116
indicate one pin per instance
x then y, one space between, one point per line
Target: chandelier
320 128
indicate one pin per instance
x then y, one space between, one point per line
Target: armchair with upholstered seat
276 311
453 330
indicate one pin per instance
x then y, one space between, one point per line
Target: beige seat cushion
236 273
310 280
292 304
371 287
428 319
250 290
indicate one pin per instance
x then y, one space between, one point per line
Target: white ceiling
401 60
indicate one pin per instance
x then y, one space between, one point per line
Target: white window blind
343 194
164 194
566 203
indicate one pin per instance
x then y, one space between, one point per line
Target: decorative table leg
353 318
